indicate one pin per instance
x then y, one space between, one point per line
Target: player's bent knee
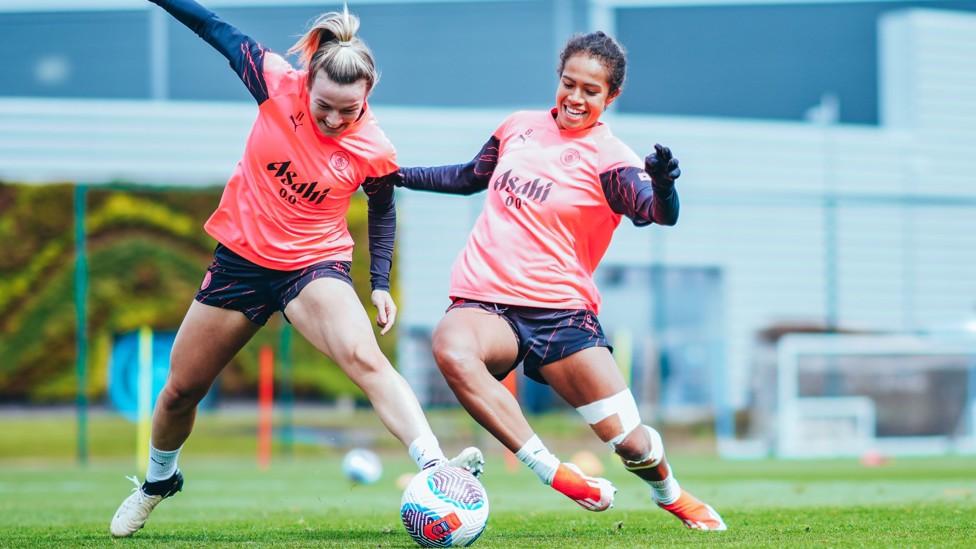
453 360
634 446
362 358
174 398
645 451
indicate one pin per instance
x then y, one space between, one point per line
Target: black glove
661 166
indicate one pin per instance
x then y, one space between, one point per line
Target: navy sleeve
246 56
381 227
631 192
457 179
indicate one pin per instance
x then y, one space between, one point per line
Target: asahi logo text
518 191
292 189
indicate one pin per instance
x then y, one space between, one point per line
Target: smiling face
334 107
583 93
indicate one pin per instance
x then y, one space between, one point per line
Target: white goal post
842 395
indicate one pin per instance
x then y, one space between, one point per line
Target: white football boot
132 514
470 459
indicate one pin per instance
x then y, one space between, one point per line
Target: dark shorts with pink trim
543 335
235 283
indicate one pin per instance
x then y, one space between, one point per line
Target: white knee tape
653 457
622 405
657 447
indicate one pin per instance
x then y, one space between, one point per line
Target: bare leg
591 375
208 338
206 341
470 344
330 315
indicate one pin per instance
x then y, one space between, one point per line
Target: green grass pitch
48 500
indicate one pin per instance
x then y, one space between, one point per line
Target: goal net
842 395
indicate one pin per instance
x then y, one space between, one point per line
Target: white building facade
813 223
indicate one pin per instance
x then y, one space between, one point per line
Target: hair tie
345 43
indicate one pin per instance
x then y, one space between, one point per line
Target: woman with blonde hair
283 243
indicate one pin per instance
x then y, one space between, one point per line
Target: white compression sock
665 491
162 463
538 458
426 451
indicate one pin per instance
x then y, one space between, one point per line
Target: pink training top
546 222
284 207
285 204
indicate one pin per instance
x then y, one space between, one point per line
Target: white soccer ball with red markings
444 507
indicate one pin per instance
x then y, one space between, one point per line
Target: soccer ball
444 507
362 466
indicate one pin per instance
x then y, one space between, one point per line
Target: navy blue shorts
543 335
235 283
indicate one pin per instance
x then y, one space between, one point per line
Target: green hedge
147 252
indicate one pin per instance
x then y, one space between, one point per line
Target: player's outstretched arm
463 179
645 196
246 56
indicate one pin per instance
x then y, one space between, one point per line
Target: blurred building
827 151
